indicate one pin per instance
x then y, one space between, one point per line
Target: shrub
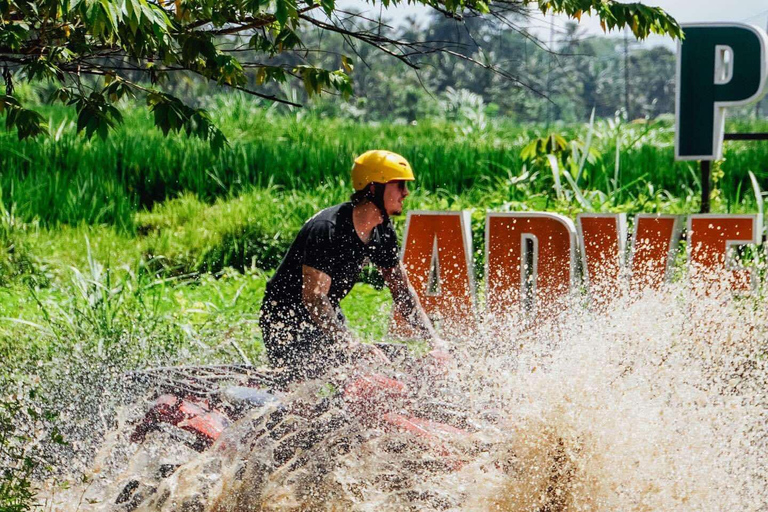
252 230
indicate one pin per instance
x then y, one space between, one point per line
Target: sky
685 11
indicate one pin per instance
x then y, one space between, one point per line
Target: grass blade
556 175
758 196
587 144
583 201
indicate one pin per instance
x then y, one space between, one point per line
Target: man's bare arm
314 294
407 302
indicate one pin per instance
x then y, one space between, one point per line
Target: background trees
538 83
93 53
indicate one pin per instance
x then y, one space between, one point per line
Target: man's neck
365 217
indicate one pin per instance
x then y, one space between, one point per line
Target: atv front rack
205 382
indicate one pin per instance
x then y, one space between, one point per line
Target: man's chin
395 213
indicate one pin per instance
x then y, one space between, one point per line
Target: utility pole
626 75
549 70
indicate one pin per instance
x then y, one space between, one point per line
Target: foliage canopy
99 51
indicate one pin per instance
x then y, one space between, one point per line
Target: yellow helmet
380 166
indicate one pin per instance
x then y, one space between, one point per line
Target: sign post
719 65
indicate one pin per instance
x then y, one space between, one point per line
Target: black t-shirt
329 243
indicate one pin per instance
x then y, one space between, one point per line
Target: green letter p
718 66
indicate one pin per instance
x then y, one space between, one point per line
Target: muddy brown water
658 404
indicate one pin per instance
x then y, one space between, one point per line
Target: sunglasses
401 184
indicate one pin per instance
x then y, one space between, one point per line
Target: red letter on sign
710 237
654 243
603 241
437 255
530 260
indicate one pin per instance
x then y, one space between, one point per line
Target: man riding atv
304 329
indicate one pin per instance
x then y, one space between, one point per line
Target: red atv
198 407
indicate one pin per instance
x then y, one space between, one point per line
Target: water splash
658 404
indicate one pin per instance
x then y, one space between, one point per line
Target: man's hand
406 301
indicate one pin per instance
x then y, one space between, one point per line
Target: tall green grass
66 179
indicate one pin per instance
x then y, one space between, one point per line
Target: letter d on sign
718 66
530 261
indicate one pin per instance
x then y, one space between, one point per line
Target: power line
626 75
549 71
761 13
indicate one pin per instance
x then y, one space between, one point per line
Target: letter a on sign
437 255
530 261
718 66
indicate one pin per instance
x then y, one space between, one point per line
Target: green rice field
65 179
140 194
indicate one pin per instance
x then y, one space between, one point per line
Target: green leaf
133 12
61 94
111 14
285 9
171 114
28 123
11 36
287 39
260 43
328 6
95 115
347 64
